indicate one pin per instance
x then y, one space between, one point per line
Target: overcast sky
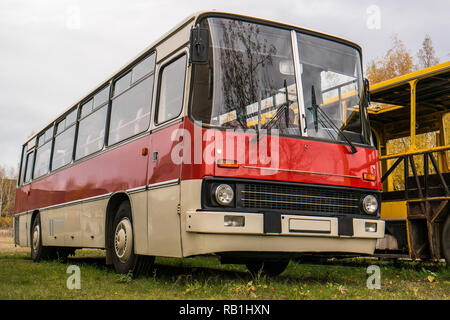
52 52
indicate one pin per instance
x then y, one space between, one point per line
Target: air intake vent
298 198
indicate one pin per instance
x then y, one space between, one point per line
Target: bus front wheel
124 258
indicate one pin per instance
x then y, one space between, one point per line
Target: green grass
206 278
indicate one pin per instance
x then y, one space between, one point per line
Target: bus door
165 153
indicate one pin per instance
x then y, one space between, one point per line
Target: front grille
298 198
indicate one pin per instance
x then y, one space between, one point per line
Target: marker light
369 176
370 204
227 164
224 194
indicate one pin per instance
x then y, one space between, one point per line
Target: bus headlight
224 194
370 204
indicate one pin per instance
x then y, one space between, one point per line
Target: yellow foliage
396 62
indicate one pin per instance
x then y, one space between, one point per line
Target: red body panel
164 168
121 168
296 159
188 151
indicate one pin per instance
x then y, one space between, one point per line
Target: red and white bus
230 135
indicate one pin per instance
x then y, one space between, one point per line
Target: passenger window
31 144
62 153
63 149
86 108
22 165
60 126
42 165
91 132
101 97
130 111
122 84
71 118
171 90
143 68
29 166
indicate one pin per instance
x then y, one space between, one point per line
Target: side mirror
366 132
199 49
367 90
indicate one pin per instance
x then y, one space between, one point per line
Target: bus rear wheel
124 258
38 251
269 268
445 241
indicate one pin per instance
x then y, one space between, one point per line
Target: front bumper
213 222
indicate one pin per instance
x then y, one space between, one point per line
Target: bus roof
434 89
188 20
432 99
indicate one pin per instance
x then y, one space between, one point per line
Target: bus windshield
250 82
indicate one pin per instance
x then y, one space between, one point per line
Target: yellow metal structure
409 105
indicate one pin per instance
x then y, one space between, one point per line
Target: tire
445 240
268 268
38 251
122 246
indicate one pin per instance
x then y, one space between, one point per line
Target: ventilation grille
299 198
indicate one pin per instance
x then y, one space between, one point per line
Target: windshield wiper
316 110
277 116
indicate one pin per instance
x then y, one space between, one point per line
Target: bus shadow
89 261
182 273
168 272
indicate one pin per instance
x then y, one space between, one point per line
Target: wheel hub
123 240
36 235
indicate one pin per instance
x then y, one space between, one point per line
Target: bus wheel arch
119 226
111 210
34 215
37 250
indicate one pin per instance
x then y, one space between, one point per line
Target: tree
427 55
7 191
397 61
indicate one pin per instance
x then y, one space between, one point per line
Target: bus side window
22 165
171 90
130 108
91 133
64 139
29 166
42 164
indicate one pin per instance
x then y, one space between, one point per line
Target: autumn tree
427 55
7 191
397 61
